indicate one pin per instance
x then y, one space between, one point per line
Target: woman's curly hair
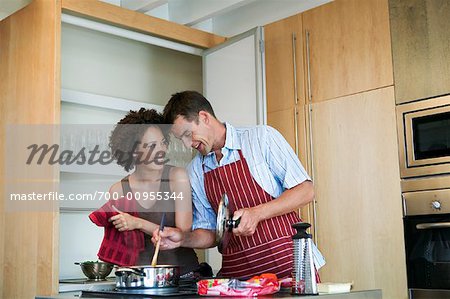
128 132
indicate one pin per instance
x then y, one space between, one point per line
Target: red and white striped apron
269 249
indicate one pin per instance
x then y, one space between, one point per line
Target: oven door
427 242
425 142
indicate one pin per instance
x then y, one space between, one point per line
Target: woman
140 142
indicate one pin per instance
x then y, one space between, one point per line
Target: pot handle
77 263
124 269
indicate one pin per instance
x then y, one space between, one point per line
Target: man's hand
249 221
171 237
124 221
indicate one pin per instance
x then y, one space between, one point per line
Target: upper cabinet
284 74
349 47
421 48
284 63
285 81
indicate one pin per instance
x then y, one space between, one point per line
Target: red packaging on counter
264 284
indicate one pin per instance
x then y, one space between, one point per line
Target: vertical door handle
294 63
311 149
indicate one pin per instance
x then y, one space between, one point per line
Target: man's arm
288 171
290 200
173 237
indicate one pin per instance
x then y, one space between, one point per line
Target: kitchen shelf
105 102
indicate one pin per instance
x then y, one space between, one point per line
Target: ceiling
222 17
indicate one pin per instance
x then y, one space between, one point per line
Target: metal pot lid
223 214
225 223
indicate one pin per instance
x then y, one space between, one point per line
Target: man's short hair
187 104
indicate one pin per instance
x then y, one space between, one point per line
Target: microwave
424 137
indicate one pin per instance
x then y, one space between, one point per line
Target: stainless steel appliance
303 272
424 137
427 243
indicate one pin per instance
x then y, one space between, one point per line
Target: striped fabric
119 248
271 160
270 248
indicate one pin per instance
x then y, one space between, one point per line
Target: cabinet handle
433 225
294 59
311 155
296 129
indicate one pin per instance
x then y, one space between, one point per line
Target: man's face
195 134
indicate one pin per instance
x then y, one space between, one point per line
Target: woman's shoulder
116 188
178 174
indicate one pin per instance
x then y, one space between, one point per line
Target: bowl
96 270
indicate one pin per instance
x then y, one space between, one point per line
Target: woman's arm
181 190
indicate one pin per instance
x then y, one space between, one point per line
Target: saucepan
161 278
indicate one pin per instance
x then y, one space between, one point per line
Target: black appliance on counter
427 243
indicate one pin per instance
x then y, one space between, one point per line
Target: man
263 178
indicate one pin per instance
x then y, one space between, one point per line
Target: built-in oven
424 137
427 243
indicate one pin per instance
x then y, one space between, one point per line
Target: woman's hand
124 221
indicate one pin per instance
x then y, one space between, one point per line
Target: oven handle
433 225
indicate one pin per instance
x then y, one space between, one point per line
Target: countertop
369 294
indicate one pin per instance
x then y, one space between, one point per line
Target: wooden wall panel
357 184
30 94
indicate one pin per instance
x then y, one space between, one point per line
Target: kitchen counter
369 294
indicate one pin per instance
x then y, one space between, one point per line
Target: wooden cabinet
30 87
421 48
357 184
285 77
349 45
354 159
29 84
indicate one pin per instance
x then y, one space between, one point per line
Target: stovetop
186 287
83 284
126 294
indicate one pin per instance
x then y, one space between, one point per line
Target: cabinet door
357 184
420 32
286 81
349 45
284 75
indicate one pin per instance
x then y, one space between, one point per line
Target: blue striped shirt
272 162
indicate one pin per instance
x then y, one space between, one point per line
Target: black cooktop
187 287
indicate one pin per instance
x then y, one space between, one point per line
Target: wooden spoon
161 228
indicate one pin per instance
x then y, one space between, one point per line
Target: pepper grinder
303 273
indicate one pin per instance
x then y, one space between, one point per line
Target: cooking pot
161 278
96 270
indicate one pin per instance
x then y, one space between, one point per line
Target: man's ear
204 116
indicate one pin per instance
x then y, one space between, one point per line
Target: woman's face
152 150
